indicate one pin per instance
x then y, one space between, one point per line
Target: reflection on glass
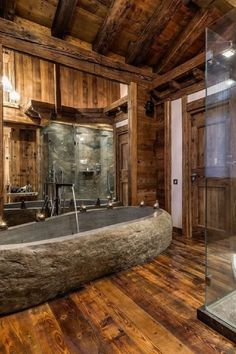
221 170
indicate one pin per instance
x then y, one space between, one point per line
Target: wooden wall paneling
133 143
57 87
82 90
7 157
186 222
167 154
1 138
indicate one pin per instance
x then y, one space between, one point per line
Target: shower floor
225 309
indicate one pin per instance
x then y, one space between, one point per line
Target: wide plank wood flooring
148 309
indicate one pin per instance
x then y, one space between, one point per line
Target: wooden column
57 88
132 128
167 155
1 137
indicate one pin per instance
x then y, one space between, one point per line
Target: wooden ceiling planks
160 34
63 17
7 9
139 49
111 25
187 38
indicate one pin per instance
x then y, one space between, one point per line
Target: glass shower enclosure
219 310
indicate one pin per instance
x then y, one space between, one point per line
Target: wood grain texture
149 309
139 49
111 26
195 28
1 138
54 49
63 16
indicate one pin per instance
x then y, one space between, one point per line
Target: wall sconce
3 225
14 96
40 216
142 203
7 86
149 107
156 205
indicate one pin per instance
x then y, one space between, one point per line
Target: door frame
118 132
188 109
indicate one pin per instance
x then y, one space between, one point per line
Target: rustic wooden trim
133 146
179 71
63 16
167 155
1 138
111 26
187 37
59 51
187 214
8 8
117 105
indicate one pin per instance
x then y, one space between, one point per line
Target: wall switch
175 181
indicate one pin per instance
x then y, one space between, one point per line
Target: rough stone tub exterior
32 273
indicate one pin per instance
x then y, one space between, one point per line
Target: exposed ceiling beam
7 9
139 49
13 36
186 38
111 25
179 71
63 16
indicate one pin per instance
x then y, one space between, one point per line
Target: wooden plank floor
148 309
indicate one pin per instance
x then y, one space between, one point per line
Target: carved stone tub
34 272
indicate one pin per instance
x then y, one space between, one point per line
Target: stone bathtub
39 261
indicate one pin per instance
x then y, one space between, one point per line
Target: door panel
215 202
122 165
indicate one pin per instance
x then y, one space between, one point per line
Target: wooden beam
59 51
111 25
179 71
114 106
1 138
7 9
139 49
63 16
187 37
174 85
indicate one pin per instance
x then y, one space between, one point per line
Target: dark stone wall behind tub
36 272
79 155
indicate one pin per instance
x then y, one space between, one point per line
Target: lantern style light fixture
14 96
7 87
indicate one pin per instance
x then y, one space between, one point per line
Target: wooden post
1 137
167 155
132 129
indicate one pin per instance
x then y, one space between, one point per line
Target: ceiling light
14 96
228 53
7 86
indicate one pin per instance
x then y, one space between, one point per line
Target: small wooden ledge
117 106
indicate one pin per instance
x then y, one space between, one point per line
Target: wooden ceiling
160 34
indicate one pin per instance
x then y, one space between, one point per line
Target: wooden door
122 167
210 207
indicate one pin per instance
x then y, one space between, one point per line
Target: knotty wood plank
139 49
111 25
63 17
156 333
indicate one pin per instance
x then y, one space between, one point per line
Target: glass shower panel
220 170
